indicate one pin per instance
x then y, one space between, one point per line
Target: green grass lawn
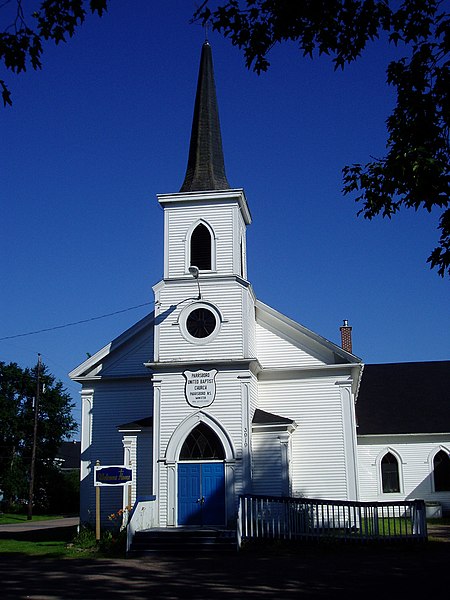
51 545
62 542
11 518
49 548
54 544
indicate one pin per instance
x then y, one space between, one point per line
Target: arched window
201 248
441 469
389 474
202 444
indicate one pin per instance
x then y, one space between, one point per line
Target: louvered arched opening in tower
201 248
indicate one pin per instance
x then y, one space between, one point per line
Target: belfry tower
204 350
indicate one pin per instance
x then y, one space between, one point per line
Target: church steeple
206 166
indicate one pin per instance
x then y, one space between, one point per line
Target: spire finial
206 165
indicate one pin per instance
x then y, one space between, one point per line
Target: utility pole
33 452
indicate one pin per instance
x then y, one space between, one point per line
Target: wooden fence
273 517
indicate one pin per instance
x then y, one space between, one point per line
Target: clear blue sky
104 127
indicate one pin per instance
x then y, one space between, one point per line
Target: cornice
280 373
209 197
251 364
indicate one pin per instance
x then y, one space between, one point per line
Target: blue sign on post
112 475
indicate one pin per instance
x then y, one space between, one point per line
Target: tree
21 43
55 422
415 172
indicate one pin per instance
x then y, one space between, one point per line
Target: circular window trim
185 315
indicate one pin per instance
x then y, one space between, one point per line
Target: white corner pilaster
156 440
246 434
350 444
87 403
171 493
285 440
130 461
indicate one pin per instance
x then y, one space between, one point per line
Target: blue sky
104 127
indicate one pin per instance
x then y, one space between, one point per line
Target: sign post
108 475
97 508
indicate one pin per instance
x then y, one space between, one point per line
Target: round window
201 322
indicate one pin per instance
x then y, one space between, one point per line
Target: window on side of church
390 474
201 248
441 468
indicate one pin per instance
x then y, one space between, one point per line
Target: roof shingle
404 398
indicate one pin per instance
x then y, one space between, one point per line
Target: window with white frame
390 474
441 471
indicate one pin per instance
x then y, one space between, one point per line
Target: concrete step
182 541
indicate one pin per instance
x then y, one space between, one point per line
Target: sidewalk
35 525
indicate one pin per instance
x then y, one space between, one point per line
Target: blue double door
201 494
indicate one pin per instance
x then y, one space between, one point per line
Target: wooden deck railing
306 518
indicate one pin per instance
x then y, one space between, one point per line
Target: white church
215 394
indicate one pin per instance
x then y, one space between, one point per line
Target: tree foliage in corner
22 37
415 171
18 389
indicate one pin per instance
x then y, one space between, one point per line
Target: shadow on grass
309 571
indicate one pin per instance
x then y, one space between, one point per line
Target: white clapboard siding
276 351
250 325
267 468
415 467
226 410
226 296
180 221
114 403
318 453
129 358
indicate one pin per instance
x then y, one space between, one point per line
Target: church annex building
215 394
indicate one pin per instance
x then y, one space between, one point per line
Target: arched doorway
201 479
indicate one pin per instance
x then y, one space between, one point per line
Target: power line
117 312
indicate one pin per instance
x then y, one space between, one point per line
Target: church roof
138 424
400 398
264 418
206 165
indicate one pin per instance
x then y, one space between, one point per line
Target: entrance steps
182 541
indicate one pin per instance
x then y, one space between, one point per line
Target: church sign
200 388
112 475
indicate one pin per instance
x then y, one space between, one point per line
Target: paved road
35 525
349 572
329 571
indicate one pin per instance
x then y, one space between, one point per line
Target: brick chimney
346 336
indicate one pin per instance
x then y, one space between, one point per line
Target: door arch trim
172 455
185 427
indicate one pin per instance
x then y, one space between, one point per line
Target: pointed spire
206 166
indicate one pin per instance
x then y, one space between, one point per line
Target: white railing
306 518
143 516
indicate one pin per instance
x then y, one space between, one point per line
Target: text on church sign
200 387
112 475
